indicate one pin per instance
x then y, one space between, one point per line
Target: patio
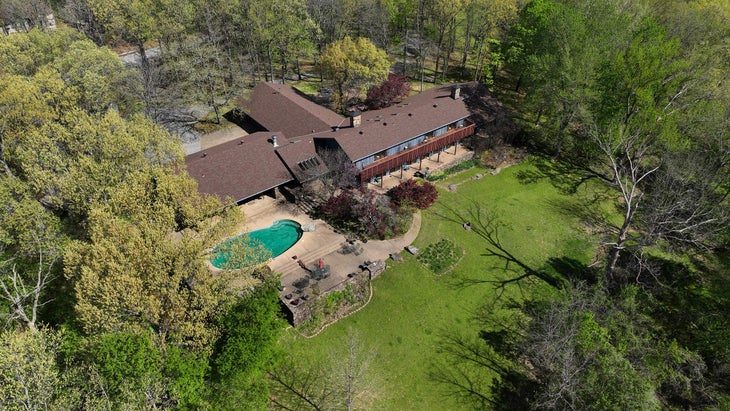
436 162
321 244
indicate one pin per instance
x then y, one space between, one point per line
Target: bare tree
78 14
351 372
626 154
342 173
296 385
25 14
23 286
685 203
344 381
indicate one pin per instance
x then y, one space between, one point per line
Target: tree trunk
269 55
447 57
147 86
614 253
405 51
298 68
478 63
438 54
467 44
217 113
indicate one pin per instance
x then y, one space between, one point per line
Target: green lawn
413 306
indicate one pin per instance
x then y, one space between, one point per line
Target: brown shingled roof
280 107
301 159
241 168
385 128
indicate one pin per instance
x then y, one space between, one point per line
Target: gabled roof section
301 159
280 107
388 127
240 169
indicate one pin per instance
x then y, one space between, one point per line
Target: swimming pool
277 238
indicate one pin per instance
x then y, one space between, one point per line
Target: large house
300 132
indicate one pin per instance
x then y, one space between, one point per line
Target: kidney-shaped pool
277 238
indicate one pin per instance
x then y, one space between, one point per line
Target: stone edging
327 324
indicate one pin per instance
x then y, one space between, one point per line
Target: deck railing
410 155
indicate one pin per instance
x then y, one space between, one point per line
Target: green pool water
276 238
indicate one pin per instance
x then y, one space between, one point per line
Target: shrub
464 165
364 213
411 193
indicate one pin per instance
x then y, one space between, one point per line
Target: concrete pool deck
322 243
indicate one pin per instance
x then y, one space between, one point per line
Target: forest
108 301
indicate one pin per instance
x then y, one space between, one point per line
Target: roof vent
240 142
435 105
410 114
273 141
204 155
385 124
360 132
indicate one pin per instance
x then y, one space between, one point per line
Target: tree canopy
353 64
104 285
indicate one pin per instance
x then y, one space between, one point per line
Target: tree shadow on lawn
556 271
588 214
565 176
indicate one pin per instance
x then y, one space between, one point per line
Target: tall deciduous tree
102 80
30 250
350 65
485 23
29 375
626 107
143 265
633 124
136 22
343 381
281 32
443 15
581 349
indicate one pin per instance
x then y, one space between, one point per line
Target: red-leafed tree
411 193
393 90
364 213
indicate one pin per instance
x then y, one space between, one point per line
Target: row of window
408 144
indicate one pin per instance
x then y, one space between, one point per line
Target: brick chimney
455 91
355 118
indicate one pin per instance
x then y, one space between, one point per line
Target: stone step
307 205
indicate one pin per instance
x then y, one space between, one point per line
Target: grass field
412 306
